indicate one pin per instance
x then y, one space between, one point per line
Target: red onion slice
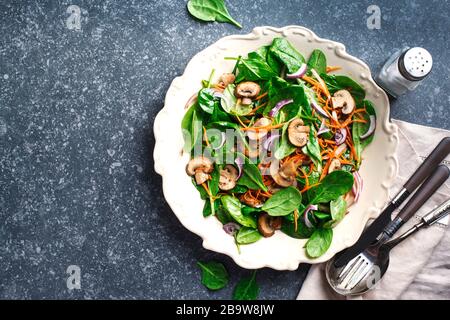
311 207
278 106
240 164
191 101
323 128
267 145
371 130
231 228
319 109
299 73
340 136
357 185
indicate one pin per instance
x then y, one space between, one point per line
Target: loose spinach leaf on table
192 128
247 235
233 207
206 100
246 288
339 82
361 128
287 54
254 70
283 202
318 61
214 275
335 184
211 10
251 177
319 242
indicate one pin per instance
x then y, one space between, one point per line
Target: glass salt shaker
404 70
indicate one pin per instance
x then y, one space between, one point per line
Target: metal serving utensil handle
428 220
425 191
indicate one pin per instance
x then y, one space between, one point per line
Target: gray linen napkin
420 266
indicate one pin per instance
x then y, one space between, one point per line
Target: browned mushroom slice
284 176
247 89
343 99
252 202
226 79
246 101
267 224
228 177
334 165
259 134
298 133
200 167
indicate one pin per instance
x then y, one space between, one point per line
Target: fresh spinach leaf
283 202
246 288
312 148
359 129
247 235
318 61
287 54
214 275
206 100
213 183
233 207
211 10
219 114
338 208
230 105
339 82
284 147
239 189
247 210
192 128
265 54
229 100
302 232
254 70
295 93
221 214
335 184
251 177
319 242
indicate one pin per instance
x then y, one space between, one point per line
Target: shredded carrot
276 126
240 121
333 68
295 219
257 108
311 81
205 137
261 96
309 187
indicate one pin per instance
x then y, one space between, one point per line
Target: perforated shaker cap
415 64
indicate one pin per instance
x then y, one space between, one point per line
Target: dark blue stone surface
77 185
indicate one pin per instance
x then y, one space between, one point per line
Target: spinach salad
276 145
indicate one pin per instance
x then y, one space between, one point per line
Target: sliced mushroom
247 89
298 133
228 177
343 99
255 135
284 176
200 167
252 202
267 224
226 79
334 165
246 101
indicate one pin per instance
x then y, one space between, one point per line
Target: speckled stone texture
77 185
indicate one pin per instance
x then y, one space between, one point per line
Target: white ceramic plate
279 251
